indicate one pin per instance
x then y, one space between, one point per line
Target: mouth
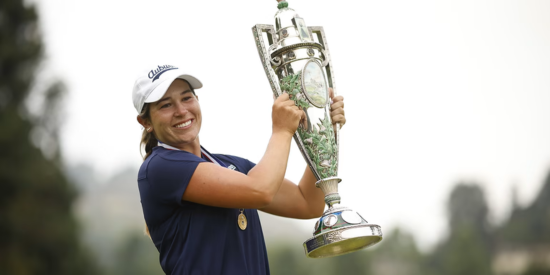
184 124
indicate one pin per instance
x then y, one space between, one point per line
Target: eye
165 106
187 98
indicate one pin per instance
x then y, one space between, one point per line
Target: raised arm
217 186
305 201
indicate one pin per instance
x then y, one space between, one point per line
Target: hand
286 115
337 113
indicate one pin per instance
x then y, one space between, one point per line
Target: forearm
303 201
268 174
216 186
313 196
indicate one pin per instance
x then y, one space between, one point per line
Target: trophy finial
282 4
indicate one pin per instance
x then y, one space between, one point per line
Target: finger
337 112
337 105
297 115
304 121
295 108
338 98
284 100
291 103
279 102
284 96
339 119
330 93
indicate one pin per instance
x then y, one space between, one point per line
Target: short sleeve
169 178
250 164
244 166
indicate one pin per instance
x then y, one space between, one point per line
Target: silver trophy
298 63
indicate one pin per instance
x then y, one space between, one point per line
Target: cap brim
161 89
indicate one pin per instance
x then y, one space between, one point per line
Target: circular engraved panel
314 84
351 217
330 220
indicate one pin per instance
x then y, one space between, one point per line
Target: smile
184 124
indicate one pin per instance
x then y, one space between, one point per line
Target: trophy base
340 231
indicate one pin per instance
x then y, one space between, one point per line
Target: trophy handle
265 56
320 33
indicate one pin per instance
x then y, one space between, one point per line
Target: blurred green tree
537 270
283 259
135 257
468 248
529 225
38 233
396 255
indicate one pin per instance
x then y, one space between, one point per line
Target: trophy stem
330 188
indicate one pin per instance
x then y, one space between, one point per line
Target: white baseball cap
152 84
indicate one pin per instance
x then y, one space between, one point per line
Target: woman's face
176 118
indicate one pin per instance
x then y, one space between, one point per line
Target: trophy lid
290 28
284 15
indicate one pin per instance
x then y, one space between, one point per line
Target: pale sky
436 92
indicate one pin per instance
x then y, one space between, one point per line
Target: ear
144 122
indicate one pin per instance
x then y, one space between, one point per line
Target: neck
194 147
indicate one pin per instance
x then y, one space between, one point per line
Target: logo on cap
155 74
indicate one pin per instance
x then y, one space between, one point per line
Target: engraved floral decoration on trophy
318 140
291 84
321 147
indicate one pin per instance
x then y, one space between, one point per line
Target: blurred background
447 144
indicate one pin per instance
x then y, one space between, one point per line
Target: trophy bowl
296 60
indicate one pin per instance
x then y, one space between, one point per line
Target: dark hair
148 139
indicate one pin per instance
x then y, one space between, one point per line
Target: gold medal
242 220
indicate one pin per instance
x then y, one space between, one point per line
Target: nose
181 110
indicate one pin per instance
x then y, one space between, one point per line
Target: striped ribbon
206 155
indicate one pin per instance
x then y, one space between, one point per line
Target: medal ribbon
205 153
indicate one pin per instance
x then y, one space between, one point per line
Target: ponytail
148 142
148 139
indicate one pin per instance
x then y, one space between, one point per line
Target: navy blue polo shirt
194 238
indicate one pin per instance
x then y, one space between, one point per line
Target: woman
202 216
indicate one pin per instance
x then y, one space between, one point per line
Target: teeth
183 124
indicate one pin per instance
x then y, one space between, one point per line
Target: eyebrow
167 98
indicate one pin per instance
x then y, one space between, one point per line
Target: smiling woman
177 116
201 208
